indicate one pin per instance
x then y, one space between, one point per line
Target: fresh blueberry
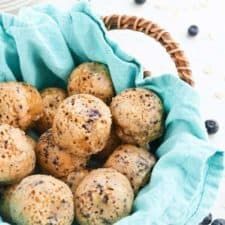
218 222
207 220
140 1
211 126
193 30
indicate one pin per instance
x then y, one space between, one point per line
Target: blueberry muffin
103 197
42 200
51 98
31 141
112 143
133 162
54 160
82 125
5 200
20 104
75 178
138 116
91 78
17 156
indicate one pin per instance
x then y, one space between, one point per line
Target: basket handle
159 34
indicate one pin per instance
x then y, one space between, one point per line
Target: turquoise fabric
42 45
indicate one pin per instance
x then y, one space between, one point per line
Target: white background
206 52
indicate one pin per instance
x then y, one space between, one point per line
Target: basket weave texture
155 31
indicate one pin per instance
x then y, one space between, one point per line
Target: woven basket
155 31
13 6
163 37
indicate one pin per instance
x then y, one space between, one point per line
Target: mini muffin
75 178
5 202
17 156
54 160
91 78
42 200
20 104
103 197
51 98
138 116
112 143
133 162
32 141
82 125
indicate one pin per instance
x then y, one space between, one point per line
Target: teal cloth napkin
43 44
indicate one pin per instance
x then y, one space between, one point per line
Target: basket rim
154 31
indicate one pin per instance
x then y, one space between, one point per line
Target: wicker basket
12 6
153 30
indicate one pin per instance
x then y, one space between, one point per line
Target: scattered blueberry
207 220
193 30
218 222
140 1
212 126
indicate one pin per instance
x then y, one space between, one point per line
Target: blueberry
140 1
193 30
211 126
207 220
218 222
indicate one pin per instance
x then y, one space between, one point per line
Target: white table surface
206 51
